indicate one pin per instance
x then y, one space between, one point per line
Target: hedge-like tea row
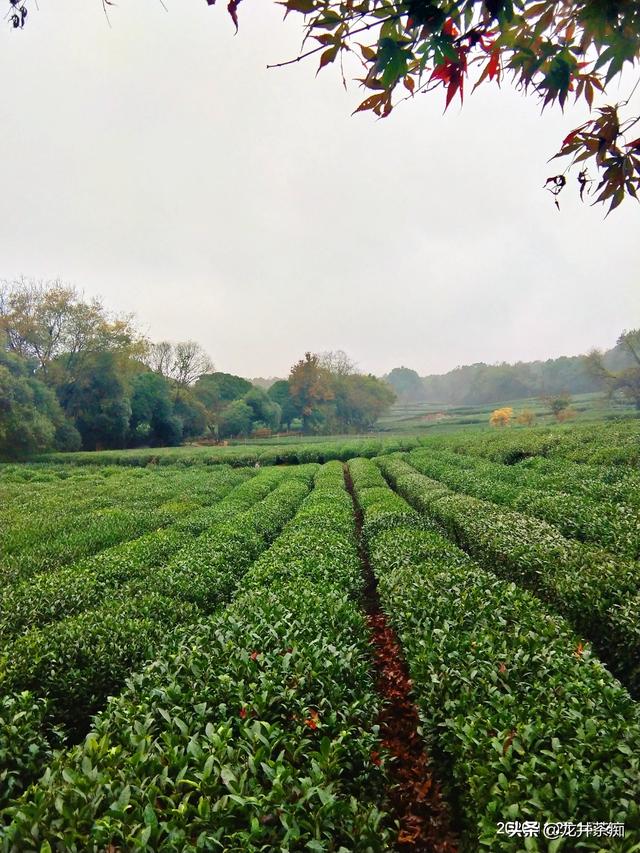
77 662
72 589
295 452
382 507
614 526
24 720
33 511
256 733
610 442
68 590
531 724
595 591
152 504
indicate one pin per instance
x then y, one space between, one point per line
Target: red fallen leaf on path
254 655
408 836
243 713
502 668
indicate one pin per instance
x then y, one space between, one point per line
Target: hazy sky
157 163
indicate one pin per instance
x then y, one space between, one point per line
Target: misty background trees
615 371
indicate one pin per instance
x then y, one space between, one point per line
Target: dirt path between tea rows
415 796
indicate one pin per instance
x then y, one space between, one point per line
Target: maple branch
323 46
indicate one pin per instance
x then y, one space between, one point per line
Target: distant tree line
616 371
74 376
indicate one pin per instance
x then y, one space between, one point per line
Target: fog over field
157 163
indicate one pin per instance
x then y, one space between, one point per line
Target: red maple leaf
312 719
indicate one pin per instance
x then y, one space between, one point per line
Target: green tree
31 419
215 390
153 421
236 419
264 408
558 403
97 402
360 400
407 384
310 390
54 325
191 413
280 394
625 382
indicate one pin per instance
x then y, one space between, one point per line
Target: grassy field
195 655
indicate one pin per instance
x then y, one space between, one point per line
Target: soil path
417 803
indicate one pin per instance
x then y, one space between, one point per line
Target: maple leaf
312 719
232 8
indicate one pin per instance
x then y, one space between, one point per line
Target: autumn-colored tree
53 323
310 388
501 417
553 49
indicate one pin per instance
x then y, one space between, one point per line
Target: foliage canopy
554 48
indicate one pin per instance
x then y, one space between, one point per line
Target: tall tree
153 420
31 419
310 389
52 322
337 362
406 383
184 362
279 392
625 382
98 403
216 390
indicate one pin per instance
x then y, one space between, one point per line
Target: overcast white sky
158 164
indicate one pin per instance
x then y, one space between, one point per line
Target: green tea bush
529 722
256 732
614 526
24 720
593 589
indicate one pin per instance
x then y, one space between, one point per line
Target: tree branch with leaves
552 49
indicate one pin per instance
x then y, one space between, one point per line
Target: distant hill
490 383
263 383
